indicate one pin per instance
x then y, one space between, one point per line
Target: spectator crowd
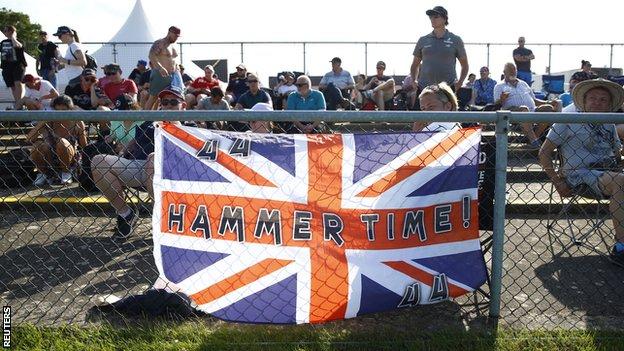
120 155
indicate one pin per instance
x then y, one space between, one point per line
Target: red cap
29 78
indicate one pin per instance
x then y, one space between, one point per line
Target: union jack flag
274 228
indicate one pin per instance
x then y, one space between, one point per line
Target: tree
27 32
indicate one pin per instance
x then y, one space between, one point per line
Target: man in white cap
590 154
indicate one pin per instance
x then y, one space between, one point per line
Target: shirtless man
165 71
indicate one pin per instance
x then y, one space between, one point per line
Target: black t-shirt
81 98
523 66
380 80
47 53
186 78
10 55
134 75
145 78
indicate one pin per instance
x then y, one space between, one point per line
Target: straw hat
615 90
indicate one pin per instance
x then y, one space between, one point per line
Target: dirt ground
56 267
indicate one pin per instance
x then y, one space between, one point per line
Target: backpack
91 61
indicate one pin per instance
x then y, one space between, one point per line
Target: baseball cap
88 72
438 10
210 67
141 63
172 90
241 66
175 30
62 30
43 33
336 59
29 78
381 63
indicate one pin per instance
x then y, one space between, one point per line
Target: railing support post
500 184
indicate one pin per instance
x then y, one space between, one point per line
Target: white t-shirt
570 108
286 89
520 95
44 89
73 71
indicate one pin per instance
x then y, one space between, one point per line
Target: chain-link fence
62 252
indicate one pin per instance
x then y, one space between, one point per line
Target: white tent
126 47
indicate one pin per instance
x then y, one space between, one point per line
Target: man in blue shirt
305 98
483 88
336 85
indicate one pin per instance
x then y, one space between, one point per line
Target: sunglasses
381 67
110 73
170 102
434 16
252 81
299 85
90 79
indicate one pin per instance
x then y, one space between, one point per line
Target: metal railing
503 243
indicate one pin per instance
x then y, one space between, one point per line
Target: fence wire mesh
61 255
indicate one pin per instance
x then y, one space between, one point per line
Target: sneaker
125 225
617 257
66 178
41 180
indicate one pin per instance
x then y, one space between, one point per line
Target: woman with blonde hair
437 97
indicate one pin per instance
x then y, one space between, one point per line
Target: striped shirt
520 95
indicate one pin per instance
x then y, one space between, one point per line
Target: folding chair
464 95
552 84
581 221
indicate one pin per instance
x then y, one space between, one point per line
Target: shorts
12 74
132 173
158 83
588 177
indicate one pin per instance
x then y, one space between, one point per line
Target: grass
198 335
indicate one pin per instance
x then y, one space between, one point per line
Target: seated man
60 142
249 99
117 85
237 85
305 98
380 88
39 93
113 173
136 73
483 88
516 95
200 87
285 86
335 85
590 154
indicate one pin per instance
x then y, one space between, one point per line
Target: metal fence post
114 52
488 55
549 58
366 59
611 60
304 58
500 185
242 52
181 55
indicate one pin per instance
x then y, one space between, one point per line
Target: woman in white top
437 97
74 59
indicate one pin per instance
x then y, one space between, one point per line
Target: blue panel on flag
461 175
181 165
376 298
467 268
372 151
179 264
275 304
278 149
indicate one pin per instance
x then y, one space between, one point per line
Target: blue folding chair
553 84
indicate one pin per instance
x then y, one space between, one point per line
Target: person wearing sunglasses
81 93
249 100
305 98
135 168
436 53
116 84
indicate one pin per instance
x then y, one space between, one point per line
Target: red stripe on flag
242 171
239 280
416 164
422 276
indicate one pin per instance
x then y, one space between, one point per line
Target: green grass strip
198 335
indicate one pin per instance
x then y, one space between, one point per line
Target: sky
476 21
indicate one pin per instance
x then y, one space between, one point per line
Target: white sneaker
66 178
41 180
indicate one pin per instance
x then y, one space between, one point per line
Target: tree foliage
27 32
